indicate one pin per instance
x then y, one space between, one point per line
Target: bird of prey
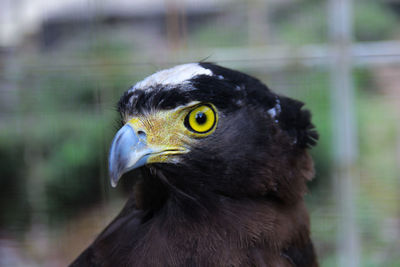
224 163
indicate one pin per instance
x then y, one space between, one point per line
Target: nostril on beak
141 134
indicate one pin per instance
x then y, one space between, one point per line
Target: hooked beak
129 150
139 143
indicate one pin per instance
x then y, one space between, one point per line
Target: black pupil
201 118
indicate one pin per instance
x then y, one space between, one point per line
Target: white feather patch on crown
174 76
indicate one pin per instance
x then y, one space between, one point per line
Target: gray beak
128 151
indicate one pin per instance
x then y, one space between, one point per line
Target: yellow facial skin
166 132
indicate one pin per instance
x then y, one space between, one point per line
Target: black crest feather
297 122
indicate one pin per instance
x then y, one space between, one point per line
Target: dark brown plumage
234 197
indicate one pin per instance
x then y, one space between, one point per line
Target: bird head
206 128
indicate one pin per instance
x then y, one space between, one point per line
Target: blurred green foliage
221 33
306 22
301 22
59 138
14 206
373 21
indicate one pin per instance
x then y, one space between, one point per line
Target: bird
223 167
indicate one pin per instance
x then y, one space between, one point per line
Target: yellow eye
202 119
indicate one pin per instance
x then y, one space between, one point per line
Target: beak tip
114 179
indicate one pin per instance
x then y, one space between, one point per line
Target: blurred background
64 65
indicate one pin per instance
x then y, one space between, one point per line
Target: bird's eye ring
201 119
